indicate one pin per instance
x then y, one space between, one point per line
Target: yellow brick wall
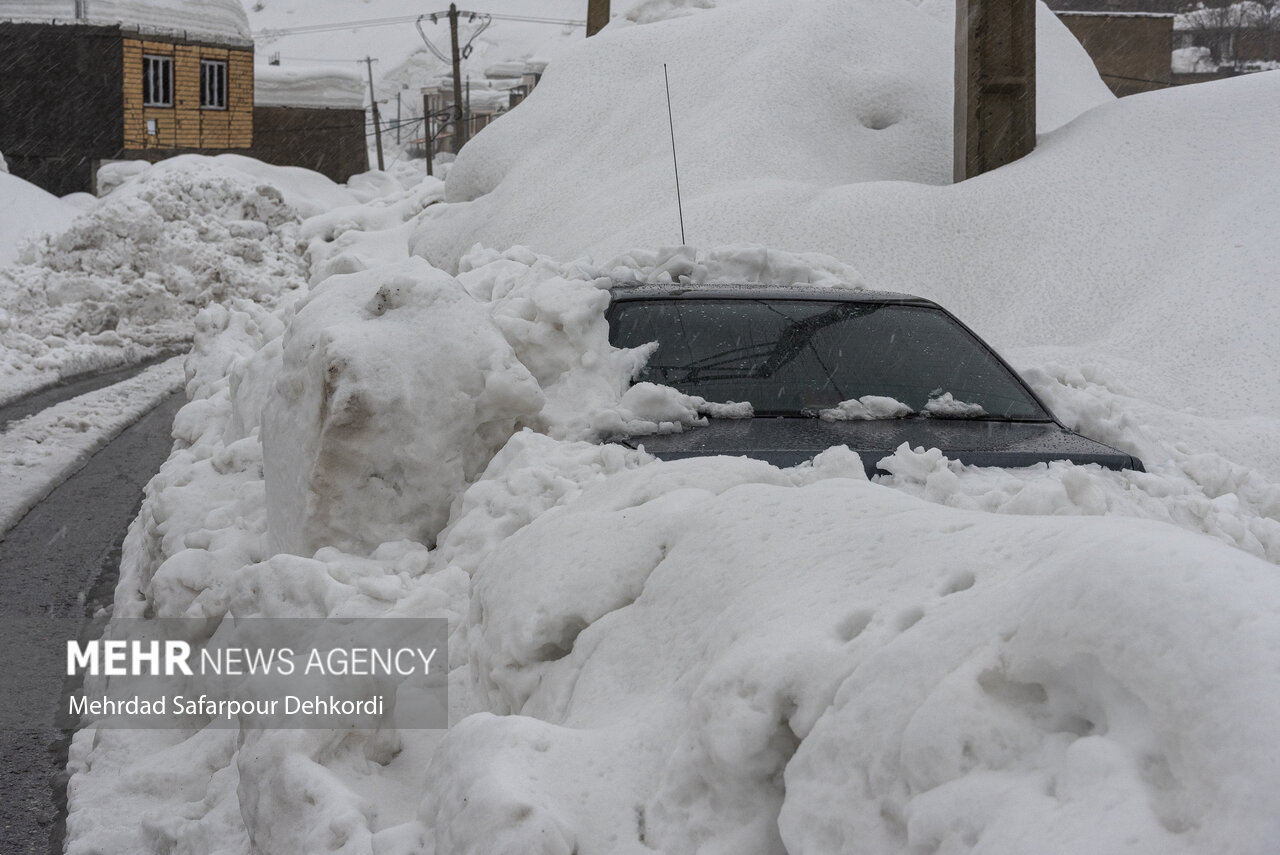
185 124
240 98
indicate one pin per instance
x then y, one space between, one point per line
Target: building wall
61 105
186 125
329 141
1133 53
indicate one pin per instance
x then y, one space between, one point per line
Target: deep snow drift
717 655
125 278
27 211
757 131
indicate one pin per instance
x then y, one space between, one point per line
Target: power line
318 59
408 19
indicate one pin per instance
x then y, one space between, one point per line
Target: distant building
1139 45
93 80
503 86
1132 50
1227 40
88 81
311 116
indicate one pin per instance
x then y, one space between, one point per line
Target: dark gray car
803 356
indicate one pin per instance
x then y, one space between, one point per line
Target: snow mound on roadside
398 384
27 211
128 276
396 390
793 666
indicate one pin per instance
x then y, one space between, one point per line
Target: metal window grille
213 84
157 81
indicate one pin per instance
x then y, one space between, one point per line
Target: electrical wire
408 19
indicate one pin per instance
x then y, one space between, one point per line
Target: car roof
624 291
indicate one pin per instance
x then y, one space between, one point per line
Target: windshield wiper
797 335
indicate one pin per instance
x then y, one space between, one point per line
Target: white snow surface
222 20
27 210
871 102
302 85
866 407
715 655
125 277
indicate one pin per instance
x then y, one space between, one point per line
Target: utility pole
397 118
459 130
995 102
377 120
428 132
597 16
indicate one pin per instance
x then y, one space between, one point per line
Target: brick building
184 95
87 81
82 81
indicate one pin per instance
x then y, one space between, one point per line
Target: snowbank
125 278
319 86
871 102
411 405
710 650
836 667
221 20
716 655
1069 247
27 211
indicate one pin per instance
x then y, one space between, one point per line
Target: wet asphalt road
62 560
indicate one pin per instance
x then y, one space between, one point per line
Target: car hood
789 441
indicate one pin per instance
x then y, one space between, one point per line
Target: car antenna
675 163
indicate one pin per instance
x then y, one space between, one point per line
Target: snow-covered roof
210 20
1096 14
502 70
327 86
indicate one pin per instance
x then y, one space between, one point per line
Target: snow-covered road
61 561
39 452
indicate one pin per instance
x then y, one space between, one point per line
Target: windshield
799 357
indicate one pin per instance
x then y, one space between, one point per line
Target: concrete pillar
597 16
995 106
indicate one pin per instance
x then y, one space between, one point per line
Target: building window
213 84
157 81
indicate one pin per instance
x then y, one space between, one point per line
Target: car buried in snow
823 367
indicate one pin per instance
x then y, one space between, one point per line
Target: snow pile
871 102
414 388
126 277
866 407
321 86
398 384
836 667
1192 60
677 650
221 20
354 237
27 211
717 655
